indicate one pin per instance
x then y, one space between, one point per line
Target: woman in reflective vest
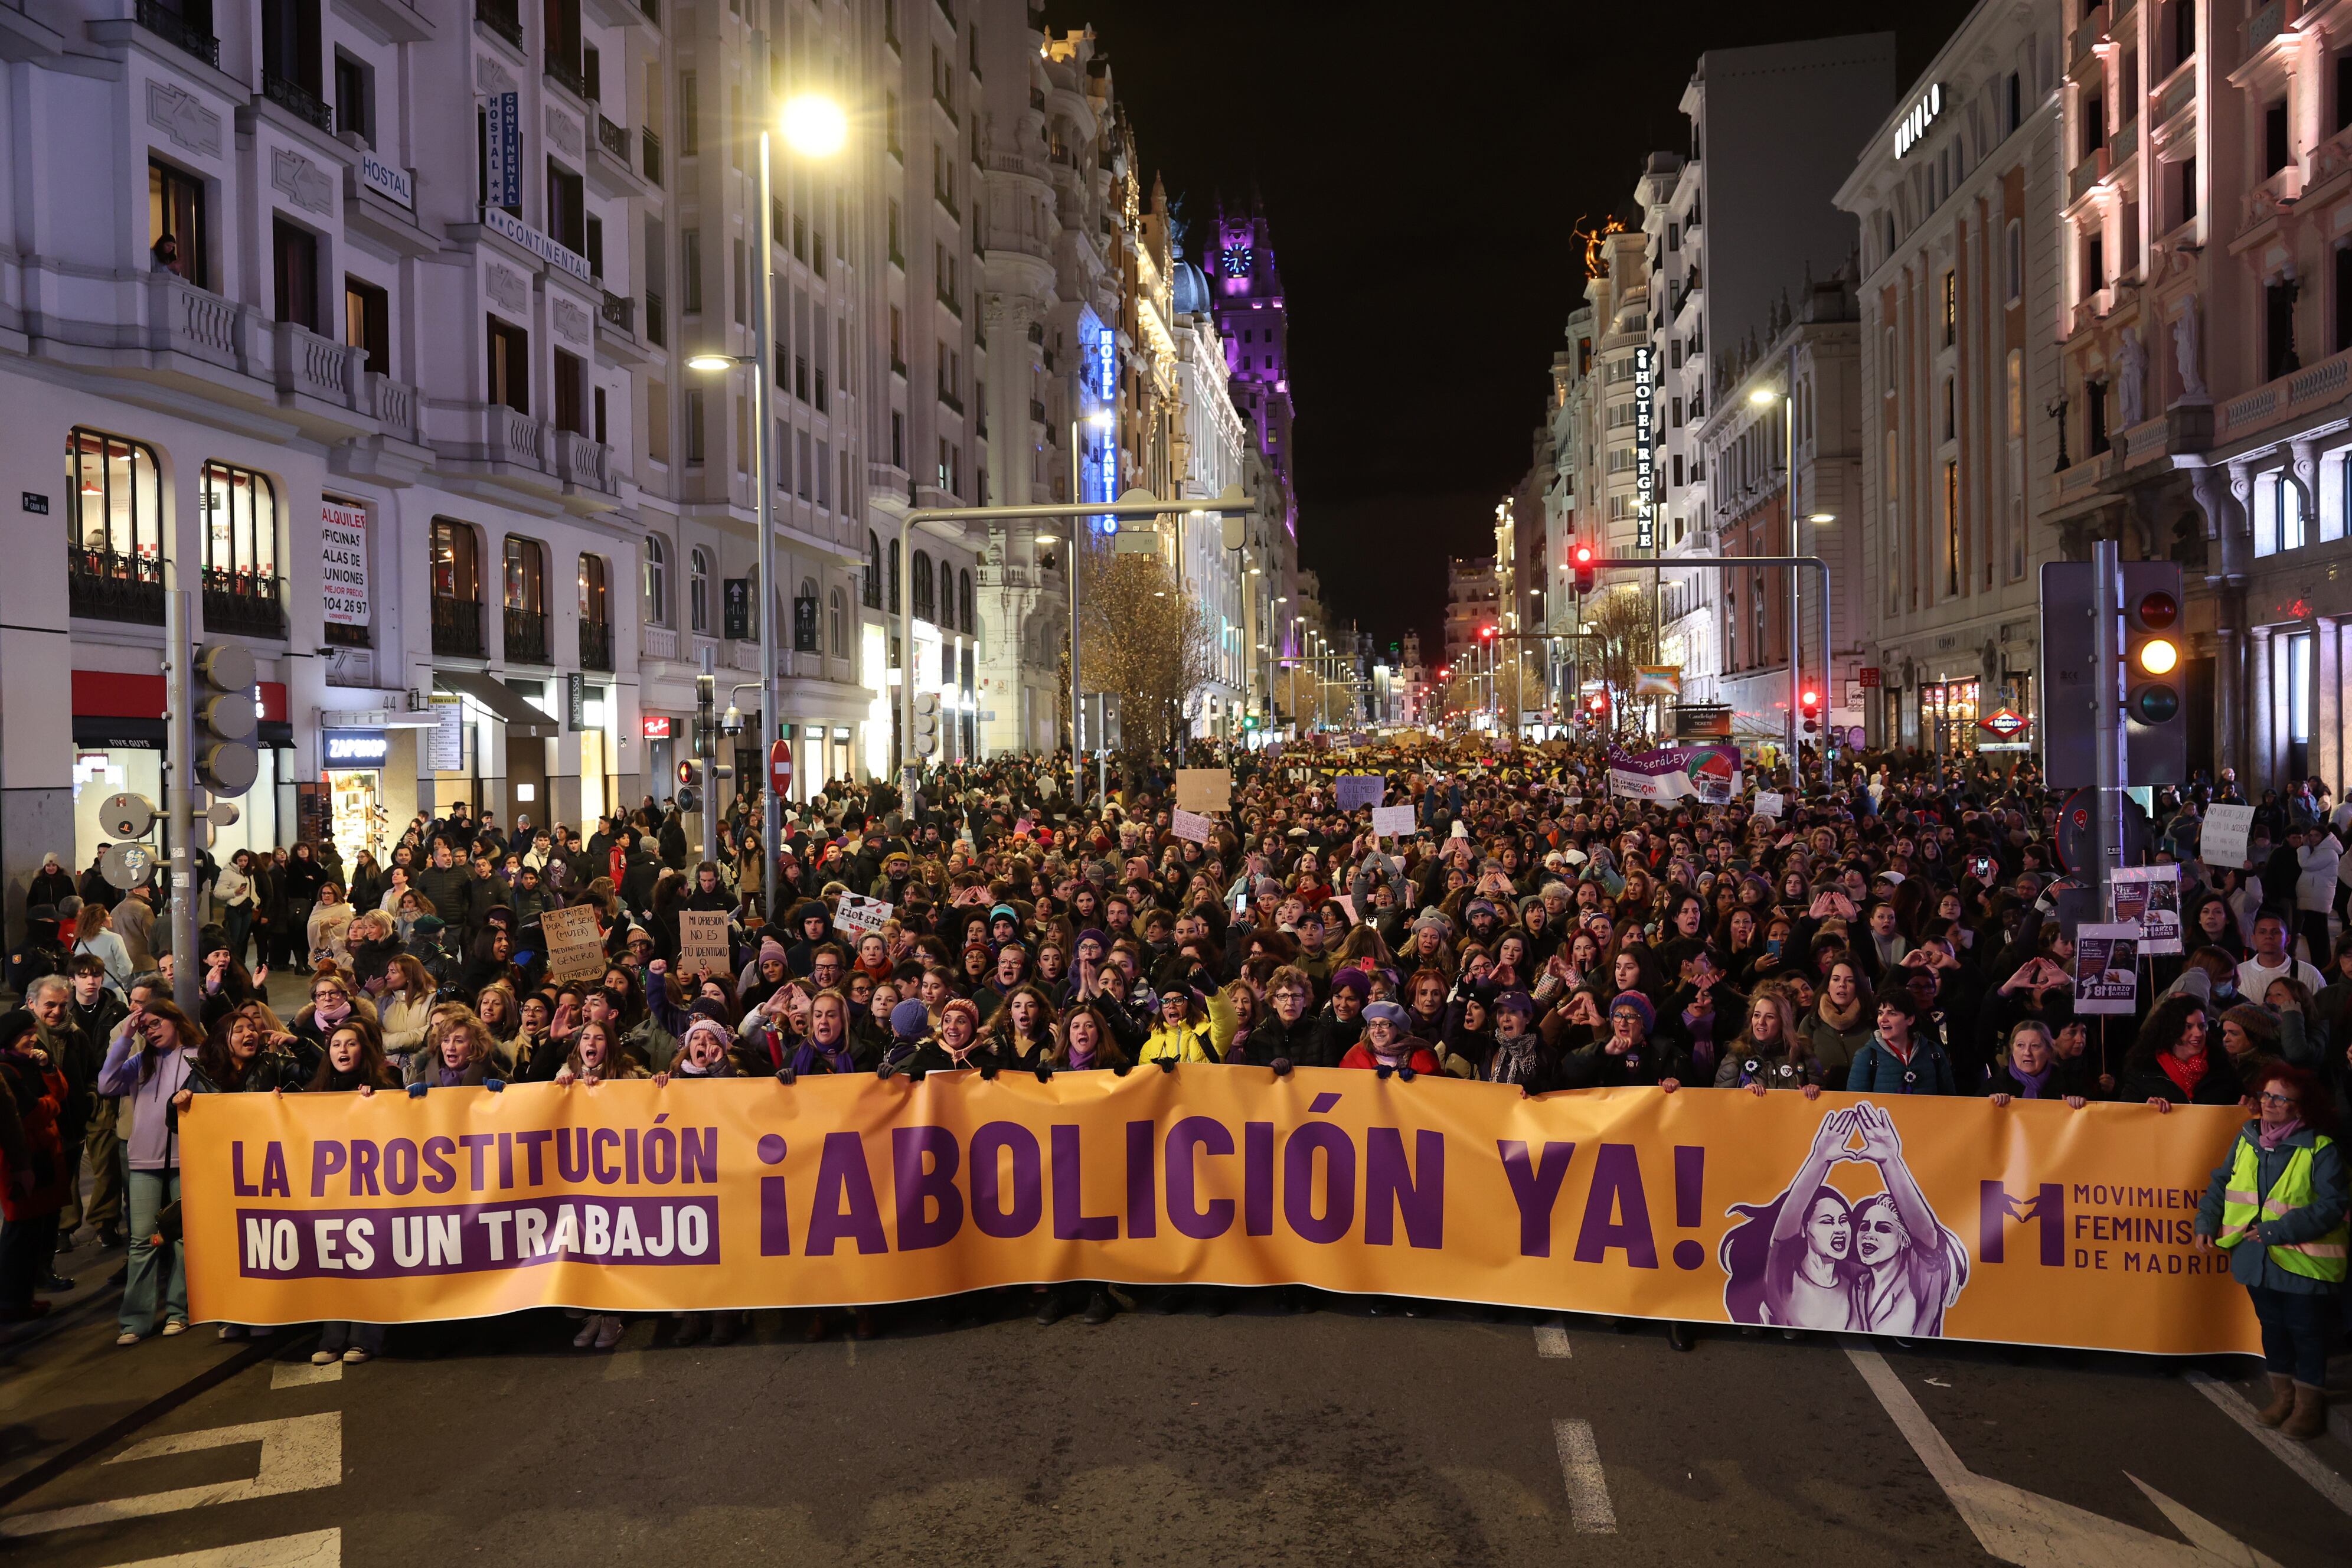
2277 1207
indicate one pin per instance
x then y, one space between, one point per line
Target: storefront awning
503 701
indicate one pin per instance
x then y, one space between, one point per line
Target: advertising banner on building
2027 1223
1708 773
342 559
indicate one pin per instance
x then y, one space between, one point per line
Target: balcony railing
457 627
296 100
174 29
526 635
653 154
338 635
619 311
613 139
2267 24
656 334
249 604
597 645
1037 411
2178 94
502 20
566 75
107 585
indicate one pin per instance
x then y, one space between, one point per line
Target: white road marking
2035 1531
1588 1508
298 1453
2291 1454
299 1373
314 1549
1551 1342
851 1342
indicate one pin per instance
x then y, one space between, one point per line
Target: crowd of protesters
1902 935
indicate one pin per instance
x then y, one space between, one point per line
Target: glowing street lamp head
1102 419
1763 397
814 126
709 363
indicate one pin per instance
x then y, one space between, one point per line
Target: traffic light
1808 705
2156 732
1597 704
1249 722
220 733
926 724
1581 557
689 779
1486 634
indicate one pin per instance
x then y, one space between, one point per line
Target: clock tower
1246 290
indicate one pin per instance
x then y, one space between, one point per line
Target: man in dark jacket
489 892
449 887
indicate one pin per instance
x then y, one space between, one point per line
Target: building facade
1961 254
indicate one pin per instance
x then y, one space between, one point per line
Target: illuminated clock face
1237 260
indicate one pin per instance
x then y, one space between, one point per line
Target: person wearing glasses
2276 1207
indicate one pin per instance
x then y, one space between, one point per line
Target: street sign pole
706 748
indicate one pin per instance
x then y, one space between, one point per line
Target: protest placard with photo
2149 898
2106 968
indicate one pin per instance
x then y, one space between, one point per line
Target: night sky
1422 166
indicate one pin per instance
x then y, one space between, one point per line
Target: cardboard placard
1768 804
1354 792
858 914
1204 789
2106 968
1392 821
1190 825
575 944
2223 841
702 941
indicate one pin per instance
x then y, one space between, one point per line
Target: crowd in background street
1901 935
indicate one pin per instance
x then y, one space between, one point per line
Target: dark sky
1423 165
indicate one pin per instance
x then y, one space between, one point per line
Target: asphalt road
1330 1438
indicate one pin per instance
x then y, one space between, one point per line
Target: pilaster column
2261 761
2327 700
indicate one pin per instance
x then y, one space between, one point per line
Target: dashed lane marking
2290 1454
1588 1508
298 1453
1551 1342
314 1549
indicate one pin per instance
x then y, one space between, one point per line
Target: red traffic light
1584 556
1597 703
1486 631
2158 611
1811 700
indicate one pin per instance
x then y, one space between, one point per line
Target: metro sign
2002 722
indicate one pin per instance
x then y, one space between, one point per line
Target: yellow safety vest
2244 1206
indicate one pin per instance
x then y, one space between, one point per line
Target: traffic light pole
2106 705
1748 562
706 749
180 800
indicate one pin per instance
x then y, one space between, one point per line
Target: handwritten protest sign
1204 789
1190 825
858 914
576 947
1354 792
2223 842
702 941
1392 821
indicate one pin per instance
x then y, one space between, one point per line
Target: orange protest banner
1916 1217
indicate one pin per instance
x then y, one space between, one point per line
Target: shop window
175 211
241 587
115 528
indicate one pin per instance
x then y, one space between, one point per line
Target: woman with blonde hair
459 1053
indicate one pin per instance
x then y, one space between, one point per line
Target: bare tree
1144 642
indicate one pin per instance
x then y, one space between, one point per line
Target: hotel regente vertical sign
1645 474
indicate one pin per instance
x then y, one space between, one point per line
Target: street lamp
814 127
1764 397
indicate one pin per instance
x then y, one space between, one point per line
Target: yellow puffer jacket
1188 1043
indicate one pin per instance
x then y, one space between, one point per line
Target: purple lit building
1245 292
